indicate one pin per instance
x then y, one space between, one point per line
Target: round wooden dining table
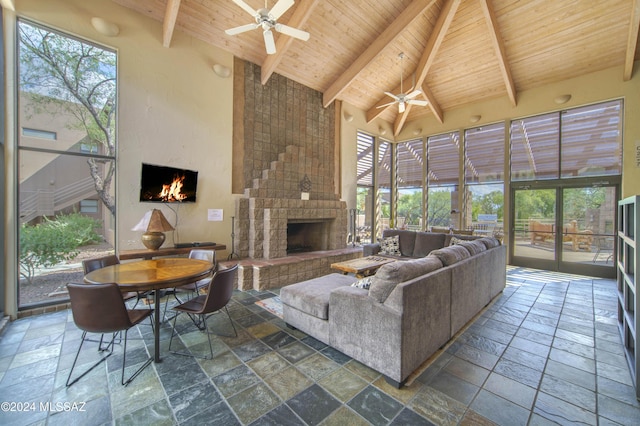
148 275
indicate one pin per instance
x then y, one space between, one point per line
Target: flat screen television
165 184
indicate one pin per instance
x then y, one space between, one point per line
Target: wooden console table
165 251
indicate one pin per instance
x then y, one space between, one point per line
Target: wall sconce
382 131
221 71
416 132
154 225
562 99
475 118
348 117
105 27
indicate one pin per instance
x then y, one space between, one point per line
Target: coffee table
363 266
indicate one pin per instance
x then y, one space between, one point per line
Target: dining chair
100 308
203 306
89 265
193 289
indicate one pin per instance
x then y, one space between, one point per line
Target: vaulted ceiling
455 51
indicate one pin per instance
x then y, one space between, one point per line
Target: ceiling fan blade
241 29
397 98
418 102
269 42
401 107
251 11
280 8
293 32
413 94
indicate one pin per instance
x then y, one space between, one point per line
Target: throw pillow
363 283
390 245
455 241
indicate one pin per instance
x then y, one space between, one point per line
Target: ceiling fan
268 20
404 99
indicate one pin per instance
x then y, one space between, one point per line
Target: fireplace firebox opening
307 236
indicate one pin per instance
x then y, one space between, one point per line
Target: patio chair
203 306
100 308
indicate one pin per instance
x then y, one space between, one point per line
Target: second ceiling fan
404 99
268 20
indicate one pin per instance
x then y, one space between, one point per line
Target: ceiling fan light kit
267 19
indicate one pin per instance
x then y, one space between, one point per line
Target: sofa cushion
452 254
392 274
490 242
390 245
406 239
312 296
474 247
426 242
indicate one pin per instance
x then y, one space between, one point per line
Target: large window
579 142
410 181
364 169
384 171
484 181
67 147
443 177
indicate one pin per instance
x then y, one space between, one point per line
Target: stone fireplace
264 219
290 222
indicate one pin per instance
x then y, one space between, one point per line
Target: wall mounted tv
164 184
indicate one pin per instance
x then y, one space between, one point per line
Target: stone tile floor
547 351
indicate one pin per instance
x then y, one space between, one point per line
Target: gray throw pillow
474 247
392 274
452 254
490 242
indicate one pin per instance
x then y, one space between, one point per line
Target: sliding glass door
566 228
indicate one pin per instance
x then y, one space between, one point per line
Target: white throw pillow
390 245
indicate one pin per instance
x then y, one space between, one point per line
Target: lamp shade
153 224
153 221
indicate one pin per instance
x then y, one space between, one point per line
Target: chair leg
124 362
84 335
231 321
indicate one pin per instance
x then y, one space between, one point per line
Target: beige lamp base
153 240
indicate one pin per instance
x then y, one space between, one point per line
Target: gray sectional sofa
412 308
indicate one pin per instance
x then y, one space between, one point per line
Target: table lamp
154 224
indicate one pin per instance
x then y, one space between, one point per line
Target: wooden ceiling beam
498 45
298 19
632 40
433 44
408 15
169 23
433 103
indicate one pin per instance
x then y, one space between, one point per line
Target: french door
565 227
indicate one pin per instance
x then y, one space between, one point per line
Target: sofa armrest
370 249
366 330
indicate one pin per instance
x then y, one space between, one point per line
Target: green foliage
82 227
54 241
439 213
491 203
410 208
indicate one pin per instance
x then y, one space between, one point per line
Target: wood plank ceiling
456 51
